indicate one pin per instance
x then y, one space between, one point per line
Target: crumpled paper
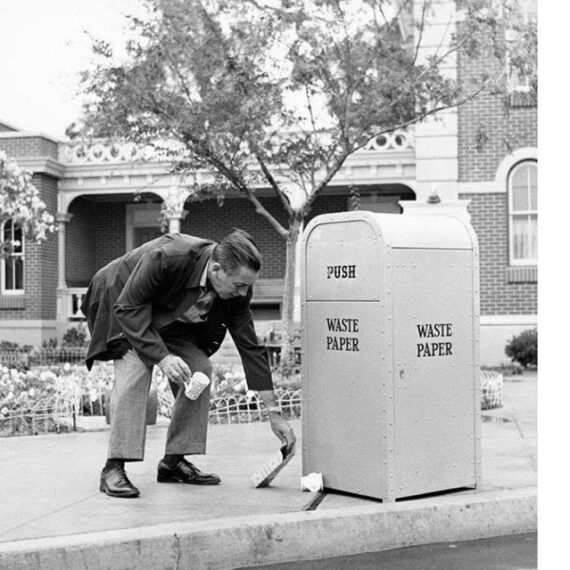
313 482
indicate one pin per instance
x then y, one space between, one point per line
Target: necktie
204 304
198 312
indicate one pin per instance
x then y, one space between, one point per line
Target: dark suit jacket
134 301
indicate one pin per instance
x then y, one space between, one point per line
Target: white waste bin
390 353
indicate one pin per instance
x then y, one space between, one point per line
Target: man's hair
237 249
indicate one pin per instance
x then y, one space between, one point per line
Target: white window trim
3 290
511 160
517 262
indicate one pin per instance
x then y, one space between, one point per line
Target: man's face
232 284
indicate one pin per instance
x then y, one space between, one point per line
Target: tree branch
235 179
273 183
328 177
419 118
314 134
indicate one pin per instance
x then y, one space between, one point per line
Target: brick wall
206 219
47 252
110 235
29 147
40 266
489 130
95 235
489 217
80 243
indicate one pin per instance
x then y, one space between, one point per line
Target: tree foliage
279 93
20 202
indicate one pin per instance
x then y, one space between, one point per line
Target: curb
255 540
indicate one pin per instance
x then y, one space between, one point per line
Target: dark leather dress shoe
185 472
115 483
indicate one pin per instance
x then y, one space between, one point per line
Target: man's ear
216 267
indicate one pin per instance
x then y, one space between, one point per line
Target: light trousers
188 427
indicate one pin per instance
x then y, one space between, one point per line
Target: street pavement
513 552
53 515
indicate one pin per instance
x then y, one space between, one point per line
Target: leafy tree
279 93
20 202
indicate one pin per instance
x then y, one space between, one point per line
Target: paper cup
196 385
313 482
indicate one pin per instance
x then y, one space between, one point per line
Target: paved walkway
53 515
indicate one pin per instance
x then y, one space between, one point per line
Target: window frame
528 212
5 259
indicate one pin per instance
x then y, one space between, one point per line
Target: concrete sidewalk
53 515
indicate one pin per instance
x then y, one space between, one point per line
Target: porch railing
102 151
70 299
69 303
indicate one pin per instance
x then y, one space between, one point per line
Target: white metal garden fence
239 409
491 390
55 415
86 394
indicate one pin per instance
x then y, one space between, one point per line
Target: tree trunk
288 315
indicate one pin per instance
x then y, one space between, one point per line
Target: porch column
175 219
62 309
62 220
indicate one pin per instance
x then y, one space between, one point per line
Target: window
523 214
12 262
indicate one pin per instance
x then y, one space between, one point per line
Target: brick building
481 159
497 174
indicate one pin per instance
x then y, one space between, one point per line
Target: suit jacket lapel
190 293
196 274
193 289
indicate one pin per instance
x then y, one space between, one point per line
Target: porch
266 305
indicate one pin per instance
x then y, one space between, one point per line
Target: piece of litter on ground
272 468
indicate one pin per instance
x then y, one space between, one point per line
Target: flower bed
230 399
47 399
34 402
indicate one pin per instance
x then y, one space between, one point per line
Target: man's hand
283 431
278 425
175 369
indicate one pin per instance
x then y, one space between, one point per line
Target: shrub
49 344
523 348
75 336
7 346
